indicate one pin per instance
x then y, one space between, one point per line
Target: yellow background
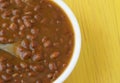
100 54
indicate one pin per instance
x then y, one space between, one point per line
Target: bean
52 66
17 81
9 65
37 68
15 18
61 40
4 4
20 22
55 75
17 67
11 40
33 44
21 34
22 27
4 25
16 12
22 75
7 13
56 72
38 50
23 65
47 44
44 39
64 65
37 17
13 26
22 81
50 75
15 75
25 43
9 71
7 29
54 55
24 18
58 21
44 20
15 35
20 49
37 8
59 63
27 24
2 32
2 67
27 8
57 29
11 1
50 5
3 39
70 42
37 57
28 13
35 31
31 37
31 74
3 59
27 69
41 1
32 21
38 81
19 3
56 44
25 55
6 77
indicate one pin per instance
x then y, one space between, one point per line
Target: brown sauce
44 37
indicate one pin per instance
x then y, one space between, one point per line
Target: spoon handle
10 48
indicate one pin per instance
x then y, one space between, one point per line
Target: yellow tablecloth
100 54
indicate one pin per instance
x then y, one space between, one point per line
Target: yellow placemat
100 54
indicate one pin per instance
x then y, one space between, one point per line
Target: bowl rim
77 46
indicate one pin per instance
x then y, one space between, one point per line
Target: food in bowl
44 40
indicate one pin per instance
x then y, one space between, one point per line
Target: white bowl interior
77 44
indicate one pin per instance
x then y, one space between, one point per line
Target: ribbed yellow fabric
100 54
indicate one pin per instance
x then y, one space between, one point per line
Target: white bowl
77 44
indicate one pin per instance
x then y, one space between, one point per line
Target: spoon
10 48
